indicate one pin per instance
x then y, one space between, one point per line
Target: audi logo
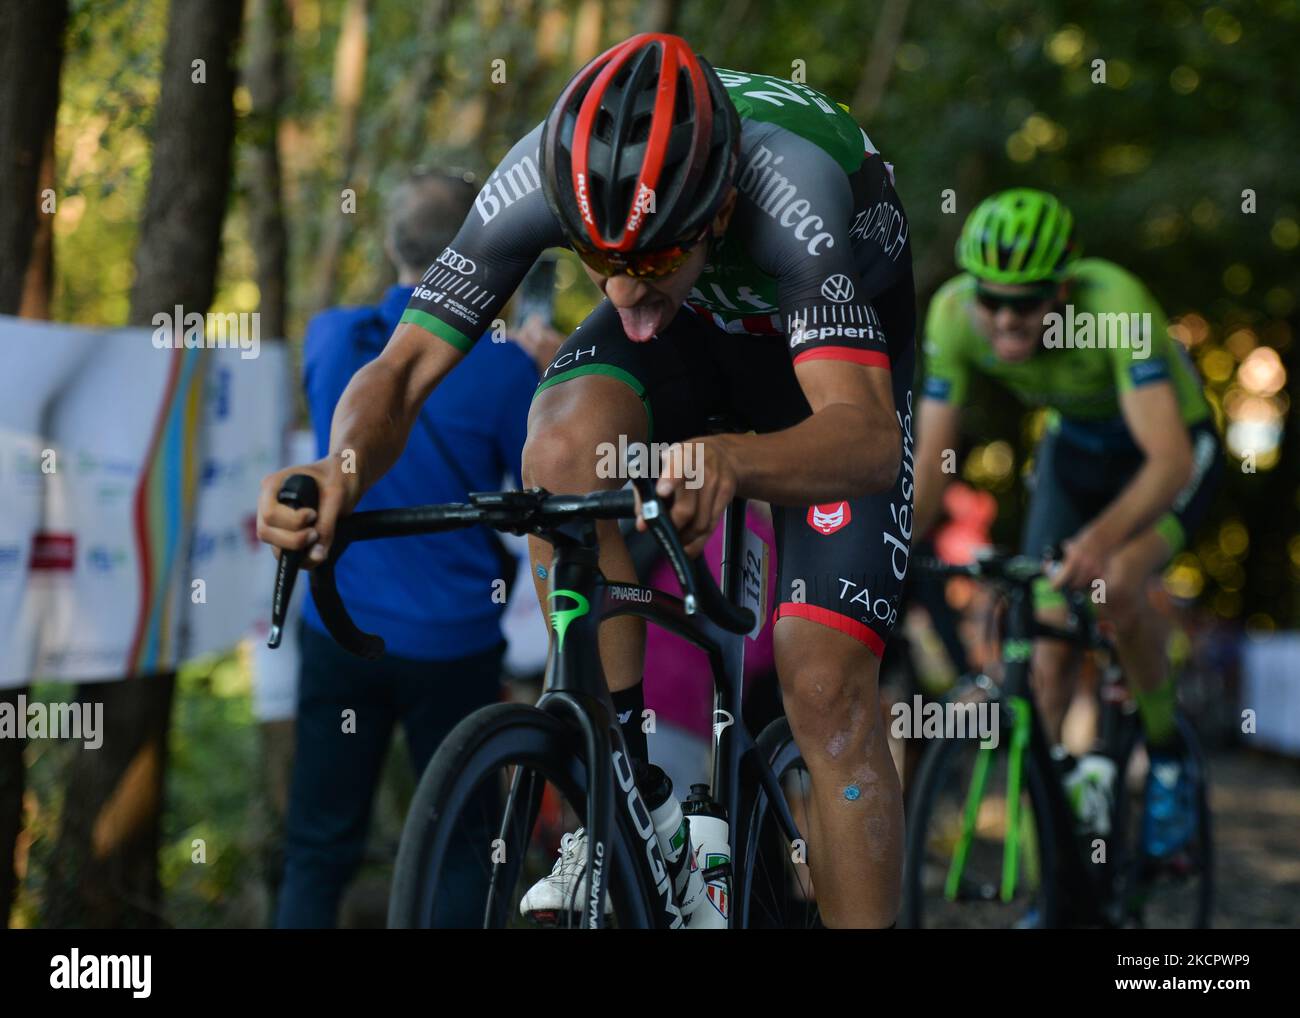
838 288
457 262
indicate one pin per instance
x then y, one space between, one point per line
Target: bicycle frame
575 690
1028 735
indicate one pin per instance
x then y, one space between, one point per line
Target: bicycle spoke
780 890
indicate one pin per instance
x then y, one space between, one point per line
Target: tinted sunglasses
643 264
1019 303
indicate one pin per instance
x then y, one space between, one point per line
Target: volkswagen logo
838 288
465 266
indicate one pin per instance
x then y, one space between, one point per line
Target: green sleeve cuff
439 328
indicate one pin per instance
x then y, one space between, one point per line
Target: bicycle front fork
1021 727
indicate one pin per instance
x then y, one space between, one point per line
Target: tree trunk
394 133
416 91
11 808
105 871
587 25
268 26
265 74
660 16
880 59
31 53
38 285
104 874
349 83
177 256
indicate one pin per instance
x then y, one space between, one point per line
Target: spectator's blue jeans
337 766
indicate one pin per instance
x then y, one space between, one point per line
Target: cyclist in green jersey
1126 466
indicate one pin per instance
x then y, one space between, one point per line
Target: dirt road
1255 800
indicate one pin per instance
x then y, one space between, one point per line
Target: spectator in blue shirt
431 598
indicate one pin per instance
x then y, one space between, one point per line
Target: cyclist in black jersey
754 261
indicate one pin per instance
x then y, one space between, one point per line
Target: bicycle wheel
956 869
466 859
773 886
1175 892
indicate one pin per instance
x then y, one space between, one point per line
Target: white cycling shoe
555 894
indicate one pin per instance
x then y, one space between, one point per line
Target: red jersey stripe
871 358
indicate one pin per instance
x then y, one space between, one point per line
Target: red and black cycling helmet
646 121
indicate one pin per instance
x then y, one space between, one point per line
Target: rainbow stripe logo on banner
163 513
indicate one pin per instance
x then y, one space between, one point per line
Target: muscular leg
1052 673
829 682
565 425
1141 633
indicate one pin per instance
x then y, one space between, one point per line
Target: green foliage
1196 107
211 763
109 89
45 762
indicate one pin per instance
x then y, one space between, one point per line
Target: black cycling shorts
841 564
1072 485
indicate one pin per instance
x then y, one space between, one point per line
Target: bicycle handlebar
997 567
1021 571
519 512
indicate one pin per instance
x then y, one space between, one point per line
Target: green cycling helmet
1018 236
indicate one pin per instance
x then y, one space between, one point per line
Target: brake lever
700 592
654 511
299 491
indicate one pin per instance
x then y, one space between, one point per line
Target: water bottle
674 837
1089 785
710 839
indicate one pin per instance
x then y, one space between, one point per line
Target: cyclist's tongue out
642 321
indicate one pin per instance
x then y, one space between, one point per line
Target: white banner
117 461
1270 663
244 438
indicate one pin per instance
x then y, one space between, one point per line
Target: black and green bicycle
993 840
511 778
